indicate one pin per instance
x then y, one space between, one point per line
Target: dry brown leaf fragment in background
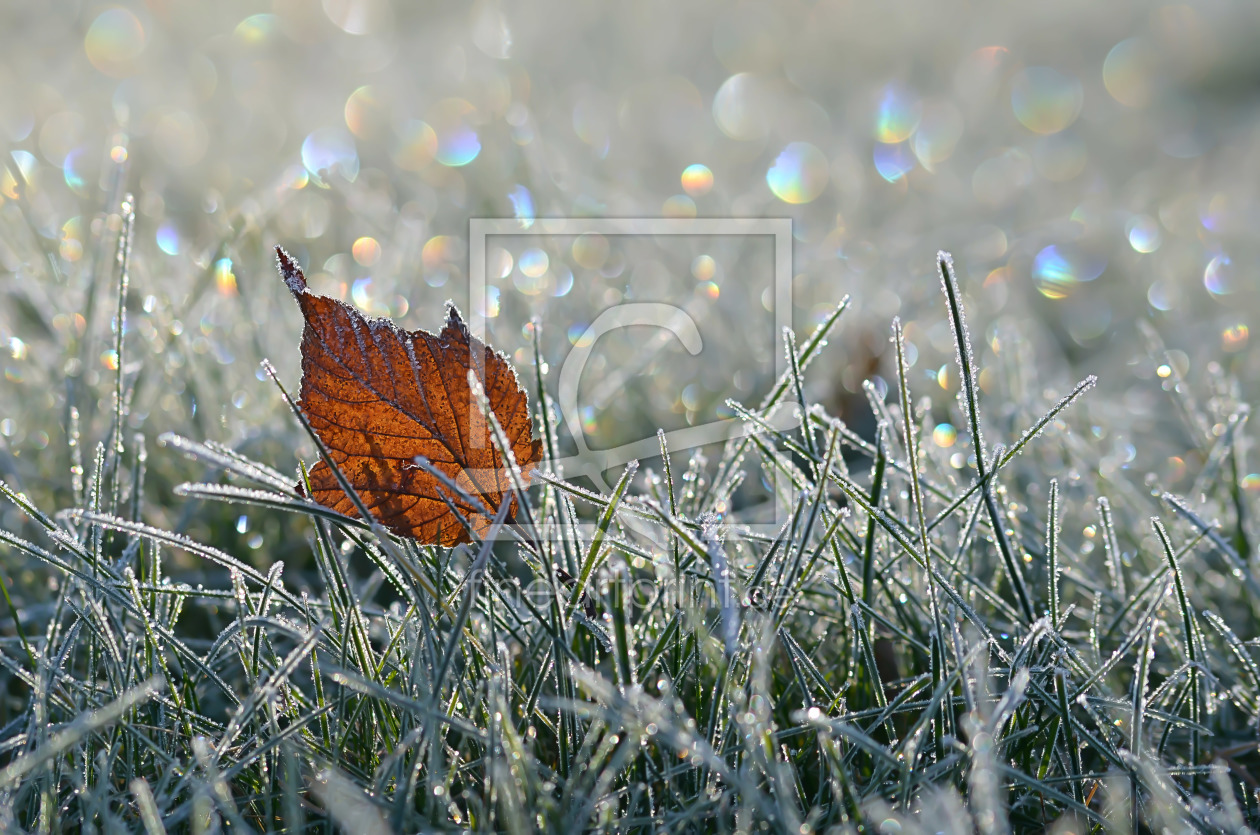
379 396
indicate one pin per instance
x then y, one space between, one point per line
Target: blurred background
1091 166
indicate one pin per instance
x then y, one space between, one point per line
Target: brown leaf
379 396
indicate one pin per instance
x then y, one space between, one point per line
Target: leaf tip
453 317
290 272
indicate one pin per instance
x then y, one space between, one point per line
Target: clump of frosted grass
918 648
